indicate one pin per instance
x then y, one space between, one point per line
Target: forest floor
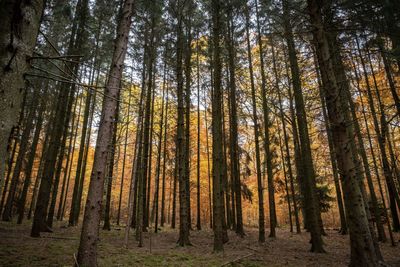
17 248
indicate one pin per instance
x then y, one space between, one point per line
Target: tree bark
363 251
87 253
18 33
307 180
217 155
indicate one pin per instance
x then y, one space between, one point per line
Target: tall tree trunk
62 112
188 82
69 160
7 213
75 136
376 170
307 180
31 159
286 182
87 252
208 166
181 142
288 158
217 156
381 138
18 33
234 146
198 215
363 251
110 169
79 169
158 165
342 214
260 189
165 157
268 154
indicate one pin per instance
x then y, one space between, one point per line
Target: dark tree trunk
307 179
181 142
61 114
267 145
217 155
31 159
363 251
198 215
234 146
260 190
288 158
10 203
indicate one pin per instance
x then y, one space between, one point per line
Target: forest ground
17 248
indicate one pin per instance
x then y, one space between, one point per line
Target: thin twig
76 261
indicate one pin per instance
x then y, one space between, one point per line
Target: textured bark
363 251
367 171
110 174
217 155
18 32
342 214
87 253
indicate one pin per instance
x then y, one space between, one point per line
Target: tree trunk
158 165
7 213
61 114
181 142
110 169
18 33
268 154
342 215
217 155
288 158
363 251
307 180
260 189
87 253
31 159
198 216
